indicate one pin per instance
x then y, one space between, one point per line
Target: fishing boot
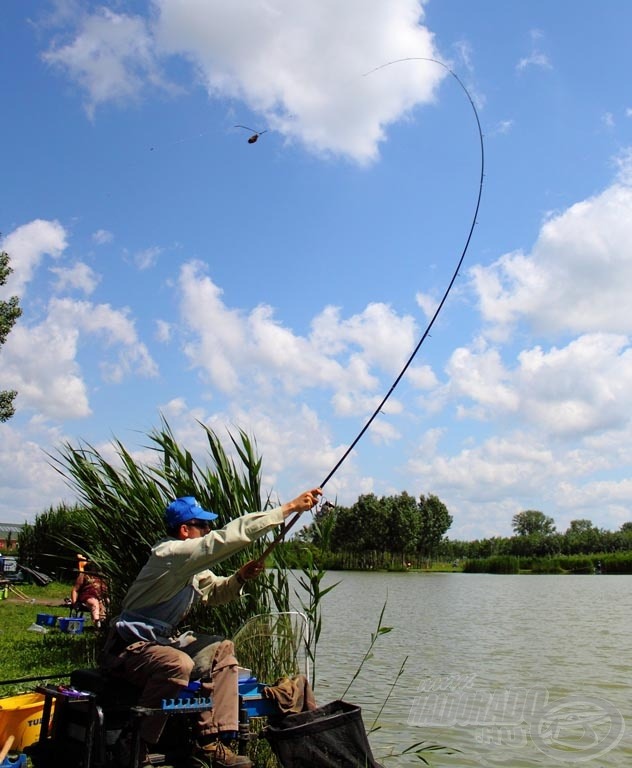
216 754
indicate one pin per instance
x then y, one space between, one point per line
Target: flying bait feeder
255 134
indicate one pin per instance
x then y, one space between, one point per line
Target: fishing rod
287 526
34 678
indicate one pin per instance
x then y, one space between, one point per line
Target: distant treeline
582 539
401 532
605 563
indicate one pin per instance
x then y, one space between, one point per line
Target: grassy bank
24 653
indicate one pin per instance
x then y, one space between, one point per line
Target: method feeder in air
255 134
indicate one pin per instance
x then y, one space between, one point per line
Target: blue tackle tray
253 700
13 760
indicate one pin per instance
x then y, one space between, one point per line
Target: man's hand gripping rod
300 504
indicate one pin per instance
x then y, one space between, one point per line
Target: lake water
513 671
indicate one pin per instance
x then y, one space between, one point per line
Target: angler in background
90 593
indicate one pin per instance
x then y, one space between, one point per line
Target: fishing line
157 147
452 280
446 293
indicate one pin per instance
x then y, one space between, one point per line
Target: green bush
577 564
546 565
494 564
618 562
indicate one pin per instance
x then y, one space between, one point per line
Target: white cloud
111 57
498 468
163 331
300 67
80 276
116 329
608 119
30 484
536 58
560 411
623 164
428 304
485 485
482 378
352 403
147 258
102 237
41 361
464 52
27 245
564 393
578 277
242 352
384 338
501 128
583 388
422 377
579 500
383 433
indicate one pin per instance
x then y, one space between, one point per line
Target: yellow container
21 716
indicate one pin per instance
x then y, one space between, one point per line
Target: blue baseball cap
184 509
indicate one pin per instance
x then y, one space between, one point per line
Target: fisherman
144 645
89 592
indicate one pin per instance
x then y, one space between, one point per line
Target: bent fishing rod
288 525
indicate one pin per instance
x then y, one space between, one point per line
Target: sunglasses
202 525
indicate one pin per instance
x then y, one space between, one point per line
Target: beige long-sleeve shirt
177 574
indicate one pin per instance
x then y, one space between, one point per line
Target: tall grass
494 564
126 501
617 562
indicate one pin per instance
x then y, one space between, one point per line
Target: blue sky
165 266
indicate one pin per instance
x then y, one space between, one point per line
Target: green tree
362 527
626 527
579 527
403 524
532 522
583 537
9 313
44 545
434 521
536 544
